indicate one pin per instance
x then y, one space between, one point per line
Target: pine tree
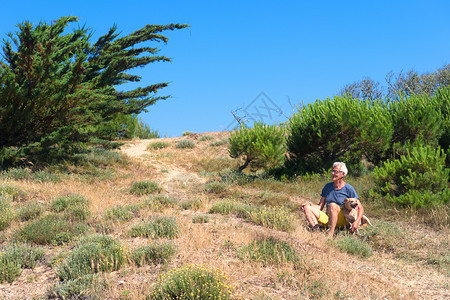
58 88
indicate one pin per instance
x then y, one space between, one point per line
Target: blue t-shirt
338 196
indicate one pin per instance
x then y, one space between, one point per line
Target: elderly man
333 195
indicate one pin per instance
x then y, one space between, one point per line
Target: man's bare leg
333 211
312 213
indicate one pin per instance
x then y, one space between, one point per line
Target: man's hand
305 204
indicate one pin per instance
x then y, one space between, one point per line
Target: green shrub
100 157
200 219
99 253
418 178
119 213
75 207
384 236
46 176
186 144
278 218
145 187
14 258
215 187
157 145
262 146
271 251
342 129
51 229
224 207
205 138
88 286
191 282
219 142
157 228
155 253
15 192
193 204
6 212
16 174
186 133
30 211
354 245
158 202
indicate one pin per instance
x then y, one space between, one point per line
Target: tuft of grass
187 133
12 190
16 257
160 227
205 138
186 144
100 157
353 245
216 187
155 253
16 174
219 143
200 218
52 229
122 213
384 236
88 286
46 176
30 211
157 145
191 282
224 207
94 254
75 207
6 212
271 251
193 204
158 202
278 218
140 188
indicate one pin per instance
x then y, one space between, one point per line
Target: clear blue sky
292 51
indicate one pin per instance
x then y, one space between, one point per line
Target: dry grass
412 267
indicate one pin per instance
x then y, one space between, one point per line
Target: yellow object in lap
341 222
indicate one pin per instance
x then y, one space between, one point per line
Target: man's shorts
341 222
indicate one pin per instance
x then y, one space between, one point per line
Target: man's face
336 173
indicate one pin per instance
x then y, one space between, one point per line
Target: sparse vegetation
155 253
186 144
160 227
145 187
157 145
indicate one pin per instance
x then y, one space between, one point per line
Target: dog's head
351 203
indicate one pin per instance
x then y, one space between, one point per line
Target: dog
350 212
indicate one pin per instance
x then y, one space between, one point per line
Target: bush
158 203
278 218
219 142
186 133
156 253
205 138
157 145
51 229
200 219
354 245
271 251
6 212
45 176
16 257
418 178
16 174
157 228
191 282
89 286
30 211
342 129
94 254
119 213
262 146
215 187
145 187
15 192
186 144
75 207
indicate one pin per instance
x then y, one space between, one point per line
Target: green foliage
119 213
155 253
384 236
30 211
99 157
12 190
59 88
278 218
94 254
186 133
16 257
418 178
186 144
157 145
219 143
200 218
215 187
140 188
16 174
262 146
270 251
75 207
89 286
354 245
191 282
342 129
6 212
205 138
158 202
160 227
50 229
